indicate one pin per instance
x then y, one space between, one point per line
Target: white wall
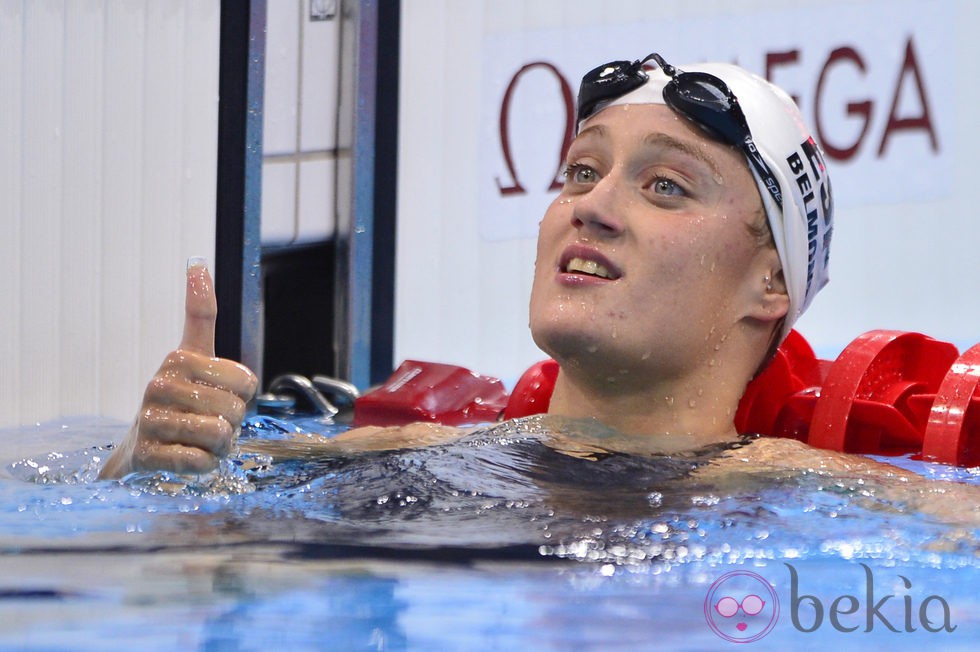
906 233
108 125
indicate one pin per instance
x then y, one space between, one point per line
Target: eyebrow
659 139
664 140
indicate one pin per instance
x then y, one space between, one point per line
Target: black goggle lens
608 82
708 101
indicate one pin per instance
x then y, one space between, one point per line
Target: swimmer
693 229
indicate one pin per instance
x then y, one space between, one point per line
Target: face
647 259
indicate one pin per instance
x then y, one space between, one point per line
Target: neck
700 413
698 406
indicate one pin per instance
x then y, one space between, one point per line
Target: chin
562 342
577 348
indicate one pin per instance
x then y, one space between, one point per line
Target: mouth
588 268
584 262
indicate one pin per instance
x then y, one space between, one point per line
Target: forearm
358 440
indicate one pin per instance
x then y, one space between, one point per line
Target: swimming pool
490 543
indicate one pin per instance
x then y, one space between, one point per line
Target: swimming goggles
698 96
751 605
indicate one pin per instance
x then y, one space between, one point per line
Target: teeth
590 267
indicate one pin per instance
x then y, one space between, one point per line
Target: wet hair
759 229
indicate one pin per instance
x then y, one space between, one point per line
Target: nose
600 211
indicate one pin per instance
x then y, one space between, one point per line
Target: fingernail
197 261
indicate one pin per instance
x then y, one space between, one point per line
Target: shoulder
953 503
775 454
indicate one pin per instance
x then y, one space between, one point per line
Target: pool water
491 542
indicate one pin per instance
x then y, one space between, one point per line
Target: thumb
200 309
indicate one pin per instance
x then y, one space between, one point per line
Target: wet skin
193 407
667 334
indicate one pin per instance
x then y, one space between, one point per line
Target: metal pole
365 246
239 196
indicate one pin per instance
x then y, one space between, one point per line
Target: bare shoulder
955 503
773 453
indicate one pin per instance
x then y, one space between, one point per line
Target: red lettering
858 109
515 186
775 59
910 67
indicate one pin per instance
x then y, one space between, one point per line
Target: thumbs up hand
194 405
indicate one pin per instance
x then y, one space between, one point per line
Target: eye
580 173
665 186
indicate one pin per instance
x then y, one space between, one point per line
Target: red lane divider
532 393
792 370
863 404
953 428
888 393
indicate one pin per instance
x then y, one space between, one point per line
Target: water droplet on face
592 348
691 403
646 356
669 399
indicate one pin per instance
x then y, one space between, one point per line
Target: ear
768 297
774 299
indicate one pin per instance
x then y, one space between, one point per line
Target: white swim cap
802 228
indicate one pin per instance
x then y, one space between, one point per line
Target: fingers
195 403
176 458
179 396
207 371
213 434
185 427
200 309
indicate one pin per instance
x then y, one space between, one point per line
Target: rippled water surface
495 541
